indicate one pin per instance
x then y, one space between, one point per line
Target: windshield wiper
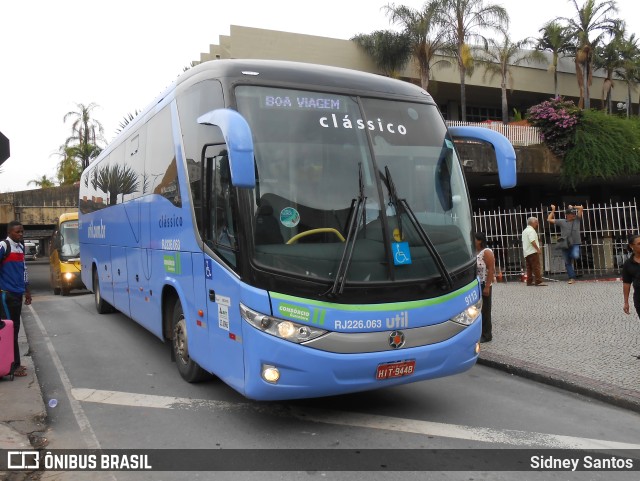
403 207
357 205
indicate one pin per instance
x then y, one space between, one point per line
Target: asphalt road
116 387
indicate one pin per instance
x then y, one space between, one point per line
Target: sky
55 54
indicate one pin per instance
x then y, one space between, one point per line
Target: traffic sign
4 148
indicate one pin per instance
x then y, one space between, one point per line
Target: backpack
7 250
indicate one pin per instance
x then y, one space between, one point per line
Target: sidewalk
572 336
575 337
22 413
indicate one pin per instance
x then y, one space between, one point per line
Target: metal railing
518 135
604 228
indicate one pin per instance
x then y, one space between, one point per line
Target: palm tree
591 18
115 180
607 58
499 58
557 40
86 133
629 69
69 169
126 120
423 29
389 50
464 20
43 182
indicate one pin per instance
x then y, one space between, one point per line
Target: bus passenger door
222 287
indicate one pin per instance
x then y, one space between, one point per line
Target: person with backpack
14 285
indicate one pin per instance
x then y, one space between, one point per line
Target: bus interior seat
267 227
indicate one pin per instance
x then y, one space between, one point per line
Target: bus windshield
70 245
317 153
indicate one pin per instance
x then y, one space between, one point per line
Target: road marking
88 435
368 421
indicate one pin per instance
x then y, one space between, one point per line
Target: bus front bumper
305 372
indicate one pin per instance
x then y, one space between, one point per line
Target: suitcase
6 348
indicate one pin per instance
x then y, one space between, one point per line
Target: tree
629 69
607 58
43 182
464 20
591 18
126 120
389 50
116 180
69 168
86 133
498 60
426 37
557 40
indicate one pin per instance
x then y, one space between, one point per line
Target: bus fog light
271 374
477 348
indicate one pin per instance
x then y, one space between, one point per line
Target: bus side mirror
505 155
237 135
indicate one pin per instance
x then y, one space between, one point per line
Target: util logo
400 321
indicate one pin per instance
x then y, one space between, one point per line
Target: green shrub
604 146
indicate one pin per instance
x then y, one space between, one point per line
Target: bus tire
102 306
187 367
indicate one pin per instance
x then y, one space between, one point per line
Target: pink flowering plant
557 119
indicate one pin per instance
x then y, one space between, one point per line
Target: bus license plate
395 369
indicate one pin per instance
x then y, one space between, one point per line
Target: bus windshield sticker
289 217
401 254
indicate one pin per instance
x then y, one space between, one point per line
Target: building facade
538 170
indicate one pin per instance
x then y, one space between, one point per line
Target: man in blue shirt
14 284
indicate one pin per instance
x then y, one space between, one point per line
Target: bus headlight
284 329
469 315
68 276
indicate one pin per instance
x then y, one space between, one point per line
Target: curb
602 391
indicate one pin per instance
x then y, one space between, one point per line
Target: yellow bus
64 257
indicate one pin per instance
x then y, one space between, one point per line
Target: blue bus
295 230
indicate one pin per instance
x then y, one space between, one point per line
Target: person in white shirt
532 253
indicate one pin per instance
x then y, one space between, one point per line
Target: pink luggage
6 348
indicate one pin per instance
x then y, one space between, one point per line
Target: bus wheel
101 305
188 369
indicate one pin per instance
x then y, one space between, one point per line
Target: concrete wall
38 207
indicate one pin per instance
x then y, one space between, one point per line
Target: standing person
532 253
14 284
631 275
486 273
569 230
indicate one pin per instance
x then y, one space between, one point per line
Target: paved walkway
572 336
